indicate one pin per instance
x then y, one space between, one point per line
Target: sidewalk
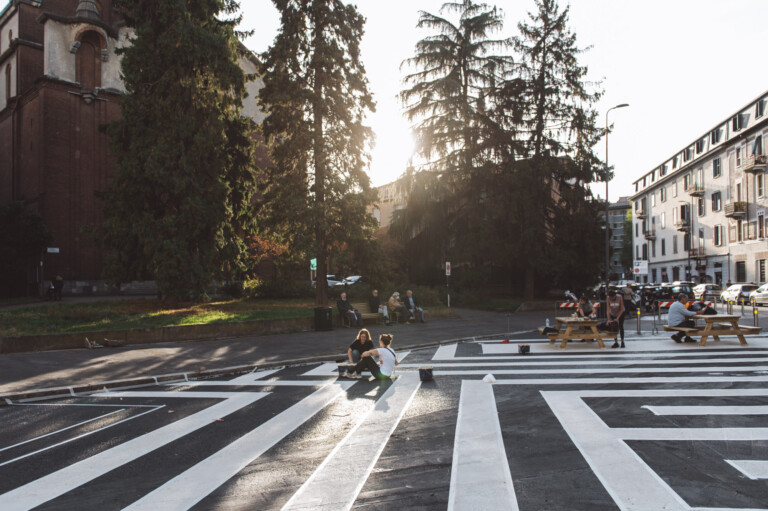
24 372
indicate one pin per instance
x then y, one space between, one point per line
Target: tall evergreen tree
316 93
562 130
181 203
456 72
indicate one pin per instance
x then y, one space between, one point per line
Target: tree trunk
321 294
530 277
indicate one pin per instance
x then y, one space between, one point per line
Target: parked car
707 292
737 293
760 295
354 279
333 281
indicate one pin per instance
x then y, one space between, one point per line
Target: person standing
615 316
384 368
375 305
345 308
680 316
412 304
361 344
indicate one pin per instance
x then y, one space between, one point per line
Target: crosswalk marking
190 487
754 469
480 477
340 477
51 486
445 352
708 410
475 362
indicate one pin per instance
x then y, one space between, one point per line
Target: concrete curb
10 398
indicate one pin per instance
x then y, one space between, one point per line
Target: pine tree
456 72
181 204
316 93
562 130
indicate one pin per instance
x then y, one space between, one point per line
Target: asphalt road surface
655 426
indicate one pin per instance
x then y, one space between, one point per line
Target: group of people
361 353
406 311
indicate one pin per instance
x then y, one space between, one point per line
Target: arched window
89 61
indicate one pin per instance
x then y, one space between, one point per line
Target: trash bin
323 319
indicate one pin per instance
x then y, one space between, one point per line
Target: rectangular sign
447 269
52 250
313 264
640 268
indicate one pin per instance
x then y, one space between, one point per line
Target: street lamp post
607 203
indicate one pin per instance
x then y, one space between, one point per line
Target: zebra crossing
657 425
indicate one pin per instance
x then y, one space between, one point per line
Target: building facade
59 86
701 214
617 214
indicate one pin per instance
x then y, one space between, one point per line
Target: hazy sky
682 65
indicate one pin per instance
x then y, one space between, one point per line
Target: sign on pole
447 269
52 250
313 264
640 268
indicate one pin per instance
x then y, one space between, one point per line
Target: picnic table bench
717 325
569 328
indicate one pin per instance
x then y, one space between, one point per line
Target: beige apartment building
701 214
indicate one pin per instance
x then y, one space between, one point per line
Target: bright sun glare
394 147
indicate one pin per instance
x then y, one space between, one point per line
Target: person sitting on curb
375 305
386 365
397 307
361 344
346 309
412 304
679 316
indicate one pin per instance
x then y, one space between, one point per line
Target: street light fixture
607 202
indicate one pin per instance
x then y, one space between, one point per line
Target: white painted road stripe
480 477
445 352
608 381
754 469
51 486
62 429
190 487
692 434
627 479
478 362
253 376
708 410
598 370
253 383
340 477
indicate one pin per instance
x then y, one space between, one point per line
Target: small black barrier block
523 348
425 373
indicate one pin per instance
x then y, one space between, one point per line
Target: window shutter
752 230
732 234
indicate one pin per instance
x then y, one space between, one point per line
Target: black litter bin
323 319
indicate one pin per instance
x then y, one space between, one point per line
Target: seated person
375 305
412 304
381 370
679 316
361 344
346 309
396 306
585 309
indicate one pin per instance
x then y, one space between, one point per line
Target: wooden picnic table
724 324
569 328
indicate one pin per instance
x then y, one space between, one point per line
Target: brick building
59 85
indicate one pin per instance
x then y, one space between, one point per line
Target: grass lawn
83 317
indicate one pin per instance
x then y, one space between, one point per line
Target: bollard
638 321
730 307
754 312
742 306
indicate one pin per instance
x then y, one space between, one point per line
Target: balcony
682 225
736 209
754 163
698 252
650 235
695 190
641 213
